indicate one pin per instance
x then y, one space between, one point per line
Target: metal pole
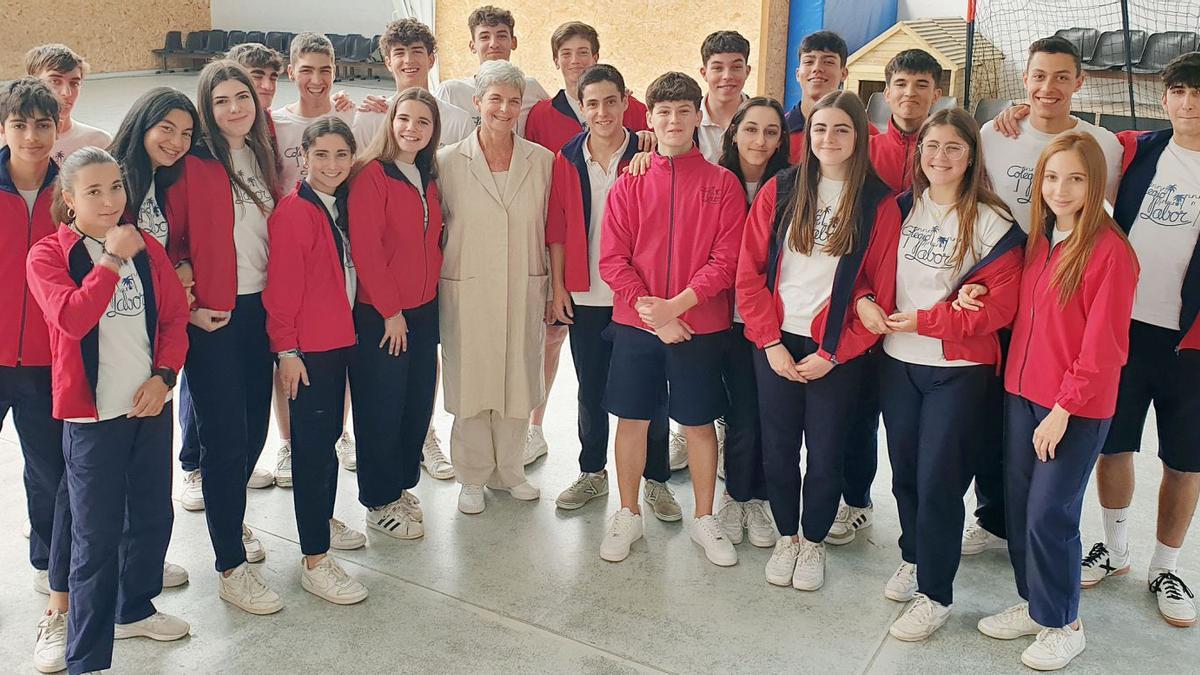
971 54
1129 61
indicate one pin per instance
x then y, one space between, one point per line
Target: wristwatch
168 376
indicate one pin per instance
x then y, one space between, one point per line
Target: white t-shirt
330 202
30 197
250 224
413 174
289 130
124 348
1059 236
457 124
600 179
1010 162
461 92
925 273
79 136
806 281
1164 236
150 218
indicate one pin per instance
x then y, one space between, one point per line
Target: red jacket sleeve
173 313
878 277
755 302
1128 141
178 218
616 247
1105 346
718 273
1003 281
556 209
367 208
73 310
290 240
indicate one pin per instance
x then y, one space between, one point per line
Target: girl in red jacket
311 284
938 362
117 317
395 214
219 204
818 236
1070 340
754 148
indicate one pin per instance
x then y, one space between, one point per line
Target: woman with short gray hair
493 290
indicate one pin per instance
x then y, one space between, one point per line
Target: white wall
924 9
366 17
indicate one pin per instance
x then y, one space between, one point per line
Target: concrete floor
521 588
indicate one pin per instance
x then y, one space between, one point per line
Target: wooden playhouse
946 40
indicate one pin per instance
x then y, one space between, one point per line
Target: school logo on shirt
710 194
129 299
295 156
928 246
151 220
1165 205
1021 179
823 227
256 187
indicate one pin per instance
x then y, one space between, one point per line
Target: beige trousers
488 449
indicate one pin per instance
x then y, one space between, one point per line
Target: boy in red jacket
669 252
911 89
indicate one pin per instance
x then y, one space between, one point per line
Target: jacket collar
6 181
562 104
689 158
896 134
575 152
517 168
795 118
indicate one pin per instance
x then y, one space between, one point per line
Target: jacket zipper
1032 315
25 289
424 241
670 231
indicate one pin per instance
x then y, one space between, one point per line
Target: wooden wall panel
113 36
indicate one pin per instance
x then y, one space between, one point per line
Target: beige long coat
495 279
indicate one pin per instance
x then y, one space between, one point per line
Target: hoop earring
70 214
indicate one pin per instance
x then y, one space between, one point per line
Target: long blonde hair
843 225
974 188
1091 222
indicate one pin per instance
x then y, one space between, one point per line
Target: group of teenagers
767 280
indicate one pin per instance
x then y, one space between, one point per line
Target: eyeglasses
952 151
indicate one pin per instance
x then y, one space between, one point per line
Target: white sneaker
976 540
526 492
346 453
1053 648
27 528
1010 624
245 589
1174 598
255 552
721 430
329 581
732 516
261 478
810 566
624 528
1100 563
191 496
760 527
174 575
433 459
157 626
707 532
535 444
920 620
41 581
283 466
470 499
782 564
343 538
902 587
585 488
677 451
395 520
847 523
50 649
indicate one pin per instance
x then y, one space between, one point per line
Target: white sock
1116 531
1165 557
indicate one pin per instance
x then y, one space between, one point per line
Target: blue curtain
858 21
